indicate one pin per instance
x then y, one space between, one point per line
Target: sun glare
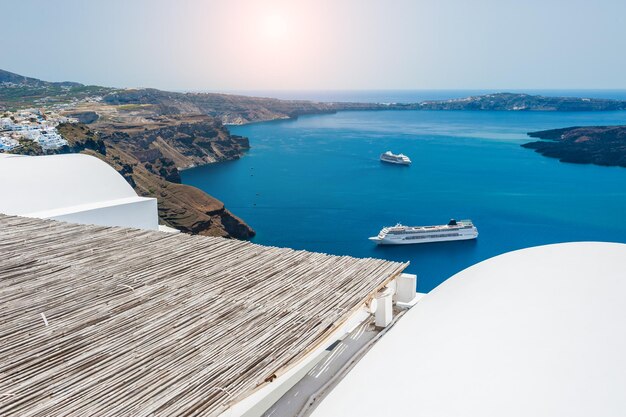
275 26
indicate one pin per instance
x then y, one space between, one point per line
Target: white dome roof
32 184
536 332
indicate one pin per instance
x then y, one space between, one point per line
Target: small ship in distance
392 158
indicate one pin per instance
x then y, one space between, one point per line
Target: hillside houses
33 125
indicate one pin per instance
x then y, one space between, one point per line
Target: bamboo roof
122 322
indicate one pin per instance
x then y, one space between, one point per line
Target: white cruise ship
404 235
392 158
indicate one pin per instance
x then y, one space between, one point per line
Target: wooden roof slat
148 323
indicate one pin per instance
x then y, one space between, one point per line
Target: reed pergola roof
110 321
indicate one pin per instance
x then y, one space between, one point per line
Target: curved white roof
44 183
535 332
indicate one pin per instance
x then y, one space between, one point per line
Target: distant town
31 125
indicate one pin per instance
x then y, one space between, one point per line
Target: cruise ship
392 158
404 235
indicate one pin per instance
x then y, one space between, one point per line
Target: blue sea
316 183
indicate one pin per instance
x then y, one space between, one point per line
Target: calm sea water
316 183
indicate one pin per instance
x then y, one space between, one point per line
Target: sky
243 45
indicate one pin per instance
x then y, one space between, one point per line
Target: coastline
159 134
599 145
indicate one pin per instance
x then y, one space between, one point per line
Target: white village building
7 143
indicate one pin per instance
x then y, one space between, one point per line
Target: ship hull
396 162
407 240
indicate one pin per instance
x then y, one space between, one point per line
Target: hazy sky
318 44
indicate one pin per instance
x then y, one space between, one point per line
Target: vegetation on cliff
17 91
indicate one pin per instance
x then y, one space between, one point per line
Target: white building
535 332
6 123
74 188
49 139
32 126
7 143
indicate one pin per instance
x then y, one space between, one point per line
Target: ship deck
435 228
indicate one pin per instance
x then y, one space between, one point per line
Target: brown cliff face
185 140
228 108
193 211
143 156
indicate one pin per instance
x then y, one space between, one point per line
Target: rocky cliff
242 109
230 109
186 140
600 145
137 155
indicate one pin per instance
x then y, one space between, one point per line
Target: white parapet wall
74 188
135 212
